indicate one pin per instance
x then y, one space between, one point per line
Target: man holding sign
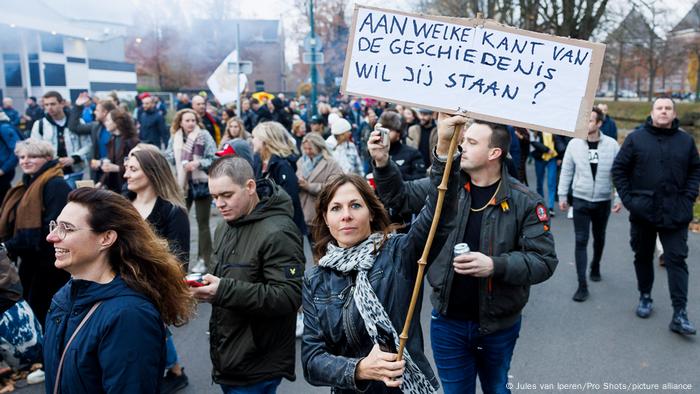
495 73
477 297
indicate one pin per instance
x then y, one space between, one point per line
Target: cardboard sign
476 67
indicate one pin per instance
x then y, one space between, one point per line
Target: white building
66 46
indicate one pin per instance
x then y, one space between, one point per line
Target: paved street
597 342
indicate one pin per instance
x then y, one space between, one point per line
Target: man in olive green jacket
255 281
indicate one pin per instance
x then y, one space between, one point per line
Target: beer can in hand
460 249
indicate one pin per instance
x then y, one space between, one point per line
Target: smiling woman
125 285
363 280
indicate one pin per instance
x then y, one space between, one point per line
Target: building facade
42 49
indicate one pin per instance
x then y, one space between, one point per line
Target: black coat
657 175
283 172
152 127
172 223
409 160
263 114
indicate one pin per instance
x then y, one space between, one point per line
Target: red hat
226 151
144 95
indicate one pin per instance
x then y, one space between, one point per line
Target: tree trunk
618 70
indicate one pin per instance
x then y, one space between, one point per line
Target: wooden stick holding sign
496 72
418 285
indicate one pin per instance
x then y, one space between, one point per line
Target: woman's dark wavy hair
380 221
124 123
141 257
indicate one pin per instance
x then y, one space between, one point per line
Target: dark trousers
202 210
589 216
675 243
6 184
461 354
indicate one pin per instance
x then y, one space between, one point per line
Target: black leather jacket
335 338
512 234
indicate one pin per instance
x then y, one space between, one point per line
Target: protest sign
477 67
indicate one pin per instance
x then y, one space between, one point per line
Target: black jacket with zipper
512 234
657 175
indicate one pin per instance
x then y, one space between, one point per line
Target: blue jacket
13 114
8 140
152 127
335 338
609 127
121 349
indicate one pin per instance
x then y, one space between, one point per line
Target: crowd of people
357 178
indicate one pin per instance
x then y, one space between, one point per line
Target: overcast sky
274 9
290 15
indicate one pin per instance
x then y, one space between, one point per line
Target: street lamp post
313 57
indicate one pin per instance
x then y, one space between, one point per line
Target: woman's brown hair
243 133
157 170
124 122
175 126
141 257
380 221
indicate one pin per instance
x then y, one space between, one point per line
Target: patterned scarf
361 258
308 164
188 148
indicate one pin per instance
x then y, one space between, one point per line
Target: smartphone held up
383 133
196 280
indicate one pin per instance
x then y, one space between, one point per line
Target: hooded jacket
657 175
78 147
120 349
260 261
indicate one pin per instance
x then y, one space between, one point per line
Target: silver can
460 249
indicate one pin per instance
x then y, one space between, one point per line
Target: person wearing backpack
8 159
73 150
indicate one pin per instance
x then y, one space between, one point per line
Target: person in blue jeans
487 356
546 156
478 297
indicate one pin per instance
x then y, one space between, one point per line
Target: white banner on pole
223 84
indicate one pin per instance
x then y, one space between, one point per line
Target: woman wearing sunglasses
105 330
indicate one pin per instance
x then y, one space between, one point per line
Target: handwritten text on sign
500 72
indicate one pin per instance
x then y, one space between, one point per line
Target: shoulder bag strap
92 310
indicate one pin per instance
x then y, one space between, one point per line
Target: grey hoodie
576 167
